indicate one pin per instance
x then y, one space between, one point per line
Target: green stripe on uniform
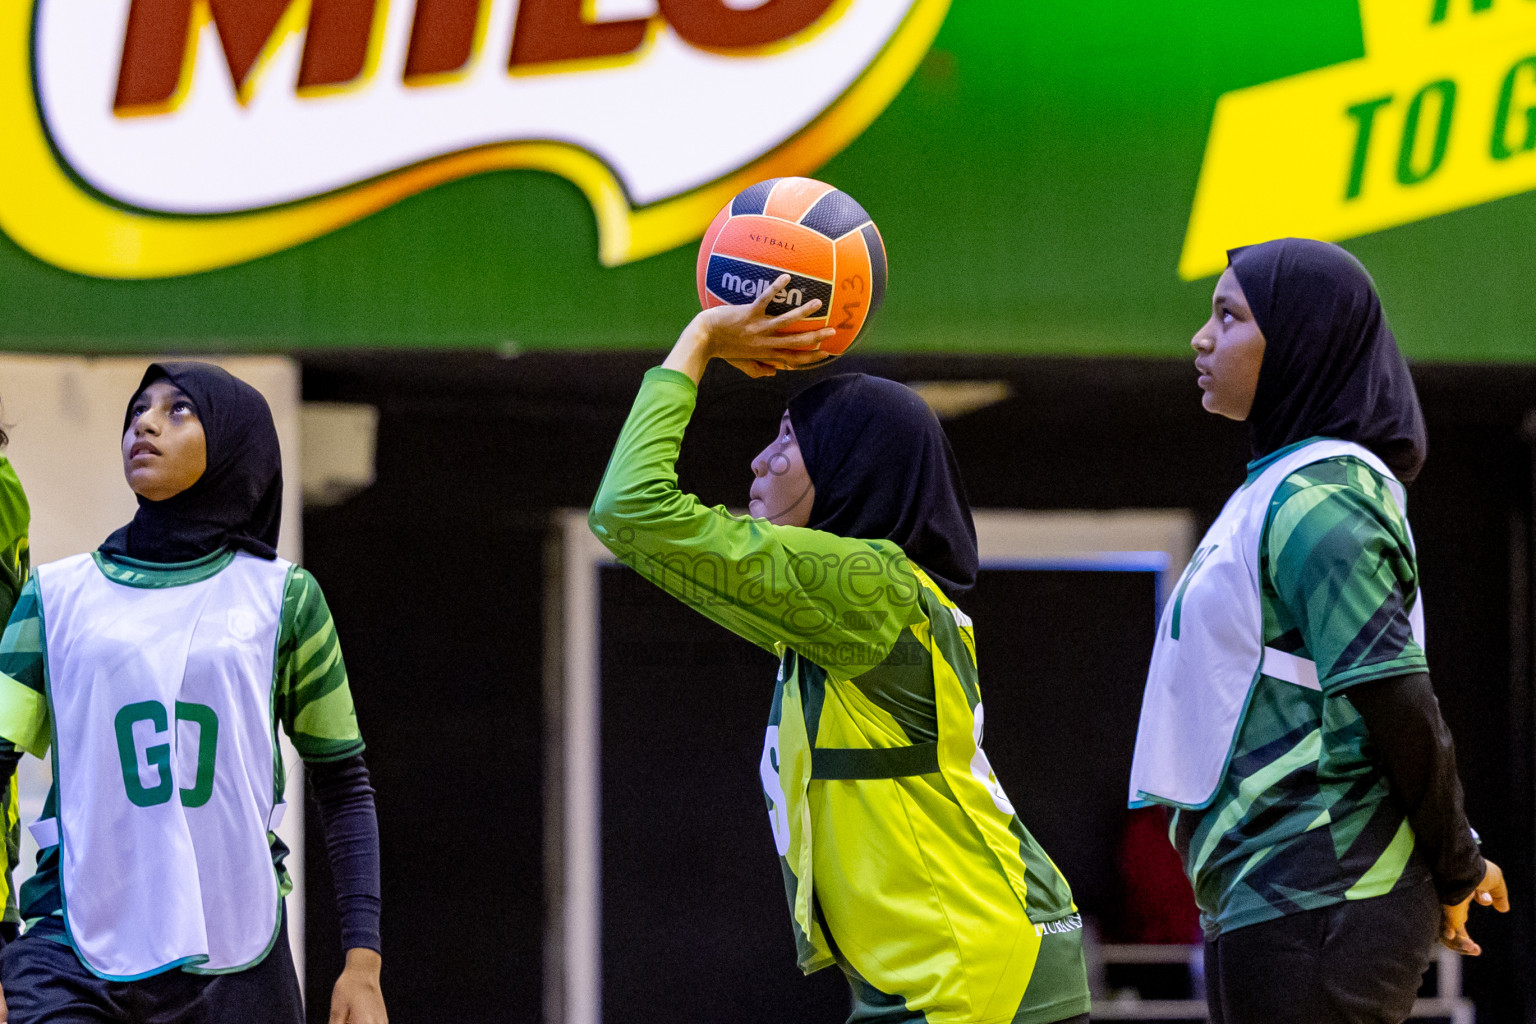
1378 881
1253 787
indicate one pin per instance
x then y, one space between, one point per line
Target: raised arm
838 601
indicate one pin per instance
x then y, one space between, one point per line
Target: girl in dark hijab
905 864
1289 722
881 468
237 501
169 656
1331 367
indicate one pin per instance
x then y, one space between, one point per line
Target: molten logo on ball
738 281
147 138
818 235
751 288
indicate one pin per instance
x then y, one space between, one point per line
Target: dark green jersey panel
1303 817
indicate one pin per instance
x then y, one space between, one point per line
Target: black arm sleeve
344 797
10 757
1419 757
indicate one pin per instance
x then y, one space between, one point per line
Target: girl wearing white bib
1288 722
155 673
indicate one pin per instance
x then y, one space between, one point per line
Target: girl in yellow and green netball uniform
904 862
15 563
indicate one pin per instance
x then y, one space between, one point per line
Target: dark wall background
435 577
694 921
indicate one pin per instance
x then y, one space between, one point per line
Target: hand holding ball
809 230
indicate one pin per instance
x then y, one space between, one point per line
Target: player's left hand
1490 892
357 998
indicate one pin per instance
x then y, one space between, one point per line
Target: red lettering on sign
153 49
442 36
712 25
156 58
552 30
336 46
155 45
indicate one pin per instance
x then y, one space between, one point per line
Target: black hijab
1331 366
238 500
883 470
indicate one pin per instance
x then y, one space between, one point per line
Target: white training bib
164 764
1210 651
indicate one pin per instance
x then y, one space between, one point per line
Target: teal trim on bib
1258 466
131 572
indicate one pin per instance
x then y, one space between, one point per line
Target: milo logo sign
151 138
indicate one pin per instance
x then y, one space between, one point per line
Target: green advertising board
1049 179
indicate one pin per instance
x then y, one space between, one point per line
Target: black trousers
45 983
1356 962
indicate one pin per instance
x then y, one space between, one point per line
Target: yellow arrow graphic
1439 115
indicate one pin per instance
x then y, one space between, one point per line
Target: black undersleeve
344 797
1419 757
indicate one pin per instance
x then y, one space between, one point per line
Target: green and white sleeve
314 699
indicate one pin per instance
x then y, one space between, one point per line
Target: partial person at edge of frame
171 655
1288 723
858 540
15 566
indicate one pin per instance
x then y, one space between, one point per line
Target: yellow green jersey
903 861
15 564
